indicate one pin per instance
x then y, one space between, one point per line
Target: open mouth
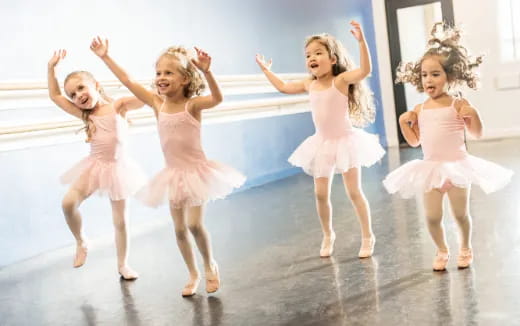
430 89
314 65
84 101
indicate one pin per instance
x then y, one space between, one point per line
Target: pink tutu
206 181
419 176
320 157
118 179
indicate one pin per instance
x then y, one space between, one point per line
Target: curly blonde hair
460 67
360 97
196 85
89 127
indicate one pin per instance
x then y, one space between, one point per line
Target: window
509 29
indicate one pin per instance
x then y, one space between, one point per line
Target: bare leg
183 242
120 219
70 204
352 182
323 206
202 238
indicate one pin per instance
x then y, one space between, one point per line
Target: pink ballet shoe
367 247
327 247
81 256
441 261
128 274
191 287
465 258
213 282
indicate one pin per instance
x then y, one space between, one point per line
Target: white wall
500 109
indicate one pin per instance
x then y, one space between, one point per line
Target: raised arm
203 63
471 118
54 89
100 48
408 122
283 87
365 64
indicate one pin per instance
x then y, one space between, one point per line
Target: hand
99 46
357 31
409 117
203 60
466 112
262 64
57 57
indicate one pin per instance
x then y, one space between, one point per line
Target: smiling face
82 91
433 77
318 61
169 78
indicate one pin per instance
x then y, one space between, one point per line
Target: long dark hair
360 97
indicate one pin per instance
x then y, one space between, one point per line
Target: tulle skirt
419 176
118 179
185 187
321 157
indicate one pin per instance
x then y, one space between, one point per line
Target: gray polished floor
266 241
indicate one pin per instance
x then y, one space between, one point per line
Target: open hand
262 64
99 46
357 31
57 57
203 60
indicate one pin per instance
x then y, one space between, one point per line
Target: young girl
107 169
189 179
438 125
337 94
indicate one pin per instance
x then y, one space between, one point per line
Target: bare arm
54 89
100 48
203 63
125 104
408 122
283 87
471 118
365 64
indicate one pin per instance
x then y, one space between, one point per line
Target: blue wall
31 220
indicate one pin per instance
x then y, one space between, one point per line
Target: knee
355 195
195 228
68 204
321 196
120 224
181 233
463 218
434 219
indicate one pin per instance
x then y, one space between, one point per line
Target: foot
440 261
128 274
367 247
465 258
191 287
327 245
81 255
213 279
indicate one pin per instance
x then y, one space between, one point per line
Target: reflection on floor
266 241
